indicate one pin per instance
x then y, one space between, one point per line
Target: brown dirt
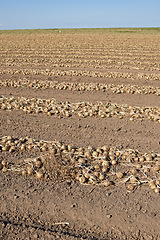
65 209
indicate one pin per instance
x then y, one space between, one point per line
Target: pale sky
31 14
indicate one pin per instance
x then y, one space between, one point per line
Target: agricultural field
80 134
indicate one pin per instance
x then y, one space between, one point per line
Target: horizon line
67 28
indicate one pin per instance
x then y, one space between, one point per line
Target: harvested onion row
82 109
97 74
102 165
43 84
76 61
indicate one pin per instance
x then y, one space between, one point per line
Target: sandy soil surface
61 207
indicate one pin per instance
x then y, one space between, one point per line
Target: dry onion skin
39 175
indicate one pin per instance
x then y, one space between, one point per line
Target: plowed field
80 134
